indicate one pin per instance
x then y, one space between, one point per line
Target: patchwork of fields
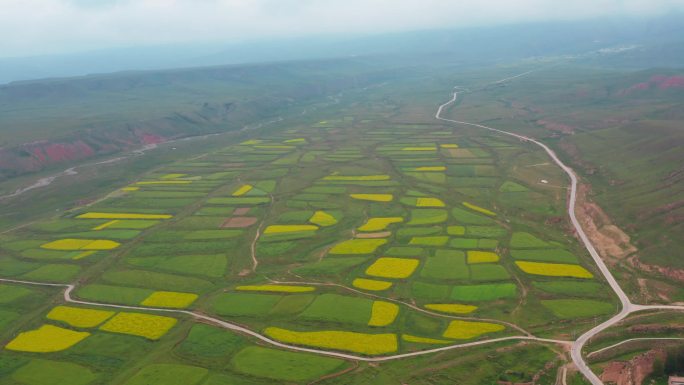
355 235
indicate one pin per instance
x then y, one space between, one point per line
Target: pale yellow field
422 340
81 244
356 178
79 317
173 176
94 215
371 284
280 229
130 188
429 202
479 209
554 269
419 149
170 299
357 246
453 308
373 197
46 339
380 223
276 288
153 182
388 267
323 219
456 230
463 330
244 189
274 147
475 256
296 140
449 145
383 313
149 326
251 142
364 343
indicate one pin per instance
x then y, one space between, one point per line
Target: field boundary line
634 339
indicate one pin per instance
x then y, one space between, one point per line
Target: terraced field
353 235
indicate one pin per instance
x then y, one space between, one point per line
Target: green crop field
329 222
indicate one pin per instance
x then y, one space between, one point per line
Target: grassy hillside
65 120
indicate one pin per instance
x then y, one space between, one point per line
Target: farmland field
314 249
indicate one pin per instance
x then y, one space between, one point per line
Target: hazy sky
29 27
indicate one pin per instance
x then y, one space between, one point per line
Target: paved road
627 306
241 329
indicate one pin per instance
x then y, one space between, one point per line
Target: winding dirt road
627 306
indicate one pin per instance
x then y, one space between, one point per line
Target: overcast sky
30 27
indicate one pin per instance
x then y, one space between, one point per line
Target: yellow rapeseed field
479 209
169 299
101 244
429 202
79 317
463 330
276 288
84 254
388 267
94 215
357 178
371 284
453 308
357 246
279 229
46 339
383 313
149 326
554 269
379 223
373 197
449 145
295 140
130 188
244 189
422 340
106 224
429 168
81 244
364 343
475 256
322 218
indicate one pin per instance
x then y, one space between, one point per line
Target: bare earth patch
610 241
238 222
634 371
241 211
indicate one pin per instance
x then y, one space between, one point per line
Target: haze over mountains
657 39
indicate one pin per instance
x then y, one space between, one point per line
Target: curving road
576 346
243 330
627 306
